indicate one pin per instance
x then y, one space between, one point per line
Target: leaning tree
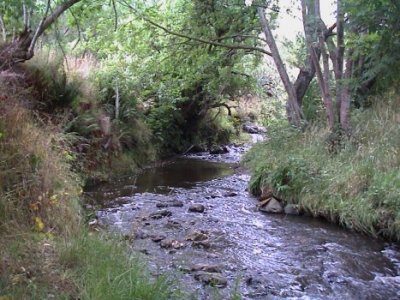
18 47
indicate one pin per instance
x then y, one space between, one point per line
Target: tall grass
101 269
37 187
44 252
355 184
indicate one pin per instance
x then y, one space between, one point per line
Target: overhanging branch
200 40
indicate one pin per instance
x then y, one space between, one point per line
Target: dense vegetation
91 89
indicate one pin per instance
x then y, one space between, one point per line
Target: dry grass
37 187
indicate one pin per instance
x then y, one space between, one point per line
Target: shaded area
180 173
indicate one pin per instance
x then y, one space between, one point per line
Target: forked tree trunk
293 109
22 48
314 34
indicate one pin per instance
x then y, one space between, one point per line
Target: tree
375 38
316 41
21 46
293 109
245 38
296 90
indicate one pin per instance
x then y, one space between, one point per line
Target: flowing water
231 243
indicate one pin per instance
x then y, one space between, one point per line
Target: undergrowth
355 183
44 251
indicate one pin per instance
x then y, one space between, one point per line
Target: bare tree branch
78 27
36 35
240 36
200 40
115 15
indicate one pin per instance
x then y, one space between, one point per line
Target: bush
50 85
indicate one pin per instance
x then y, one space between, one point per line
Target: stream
192 218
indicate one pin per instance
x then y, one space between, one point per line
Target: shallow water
261 256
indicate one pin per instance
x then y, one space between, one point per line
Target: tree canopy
186 57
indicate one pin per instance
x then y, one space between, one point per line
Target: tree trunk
314 34
346 94
293 109
303 81
339 58
3 29
22 48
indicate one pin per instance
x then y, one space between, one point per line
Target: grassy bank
355 183
81 266
45 251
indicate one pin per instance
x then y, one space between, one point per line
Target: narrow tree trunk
117 102
3 29
293 108
339 58
311 13
346 94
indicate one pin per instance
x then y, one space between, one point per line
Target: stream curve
193 218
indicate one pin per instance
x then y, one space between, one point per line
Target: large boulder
271 205
196 207
253 129
292 209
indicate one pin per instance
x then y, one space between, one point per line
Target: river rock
206 268
230 194
197 236
292 209
271 205
171 244
197 207
215 195
158 238
219 150
140 234
202 244
173 224
160 214
174 203
213 279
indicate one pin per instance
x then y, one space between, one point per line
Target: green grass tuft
101 269
355 184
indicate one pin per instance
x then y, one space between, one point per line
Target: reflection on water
180 173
